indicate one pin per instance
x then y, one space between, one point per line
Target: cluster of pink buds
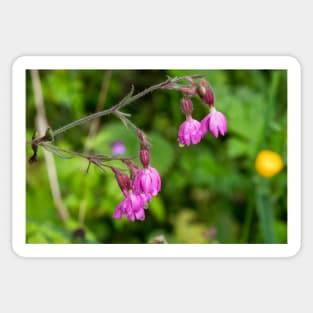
139 187
192 131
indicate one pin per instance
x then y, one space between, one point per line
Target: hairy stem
124 102
86 156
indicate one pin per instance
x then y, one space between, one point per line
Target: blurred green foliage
211 192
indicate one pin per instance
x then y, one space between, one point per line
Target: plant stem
124 102
85 156
248 221
81 121
265 211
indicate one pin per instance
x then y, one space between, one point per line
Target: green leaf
156 206
281 231
46 233
265 213
237 147
162 153
112 132
187 230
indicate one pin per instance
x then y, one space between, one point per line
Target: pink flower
148 181
215 122
189 132
132 206
118 148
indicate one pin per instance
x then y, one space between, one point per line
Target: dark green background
210 193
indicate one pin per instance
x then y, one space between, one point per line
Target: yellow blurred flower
268 163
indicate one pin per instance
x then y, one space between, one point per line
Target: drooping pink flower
215 122
189 132
147 181
133 206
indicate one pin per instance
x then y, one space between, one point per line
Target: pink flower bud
189 90
133 168
144 143
201 91
186 105
122 179
144 157
206 93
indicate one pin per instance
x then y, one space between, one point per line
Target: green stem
125 101
81 121
248 222
100 158
265 212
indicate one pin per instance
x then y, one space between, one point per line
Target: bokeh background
211 192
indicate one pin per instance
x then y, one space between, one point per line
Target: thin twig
46 140
125 101
88 157
42 125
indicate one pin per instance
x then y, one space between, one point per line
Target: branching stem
124 102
